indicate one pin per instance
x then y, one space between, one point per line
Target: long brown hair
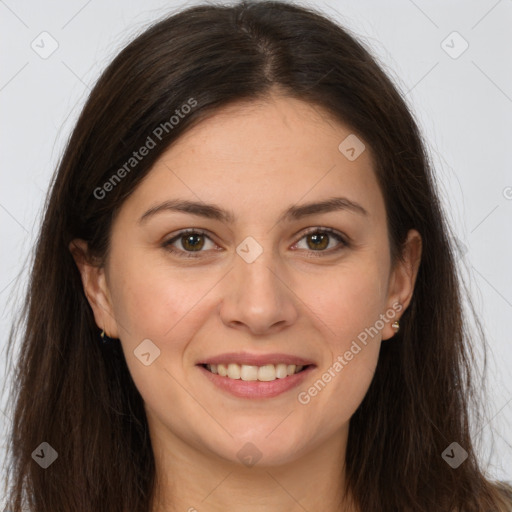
81 400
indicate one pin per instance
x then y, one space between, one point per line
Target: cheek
347 300
348 312
151 301
156 303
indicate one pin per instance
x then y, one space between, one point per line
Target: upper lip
256 359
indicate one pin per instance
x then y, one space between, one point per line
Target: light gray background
463 104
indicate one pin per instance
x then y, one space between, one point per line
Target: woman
244 295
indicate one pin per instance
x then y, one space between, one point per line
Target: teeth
282 371
266 373
233 371
248 372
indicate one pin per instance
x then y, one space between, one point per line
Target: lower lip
255 388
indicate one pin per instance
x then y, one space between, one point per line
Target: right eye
191 241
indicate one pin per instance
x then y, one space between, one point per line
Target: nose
257 298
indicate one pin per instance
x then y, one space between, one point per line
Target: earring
110 346
107 340
396 325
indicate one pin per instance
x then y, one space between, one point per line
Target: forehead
277 151
275 128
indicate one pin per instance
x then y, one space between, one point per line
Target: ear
95 287
403 279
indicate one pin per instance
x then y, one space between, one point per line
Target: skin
255 160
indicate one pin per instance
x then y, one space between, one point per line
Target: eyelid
323 229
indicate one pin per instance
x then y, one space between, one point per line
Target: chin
261 450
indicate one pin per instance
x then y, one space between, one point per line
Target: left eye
319 239
193 241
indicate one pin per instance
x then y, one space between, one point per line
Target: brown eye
188 244
194 242
318 240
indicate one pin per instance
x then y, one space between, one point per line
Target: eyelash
167 245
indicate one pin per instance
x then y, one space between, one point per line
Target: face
285 264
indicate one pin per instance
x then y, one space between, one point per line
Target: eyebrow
294 212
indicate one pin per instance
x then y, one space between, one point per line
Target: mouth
248 373
253 376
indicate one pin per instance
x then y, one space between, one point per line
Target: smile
265 373
256 382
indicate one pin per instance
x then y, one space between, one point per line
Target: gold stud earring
396 325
